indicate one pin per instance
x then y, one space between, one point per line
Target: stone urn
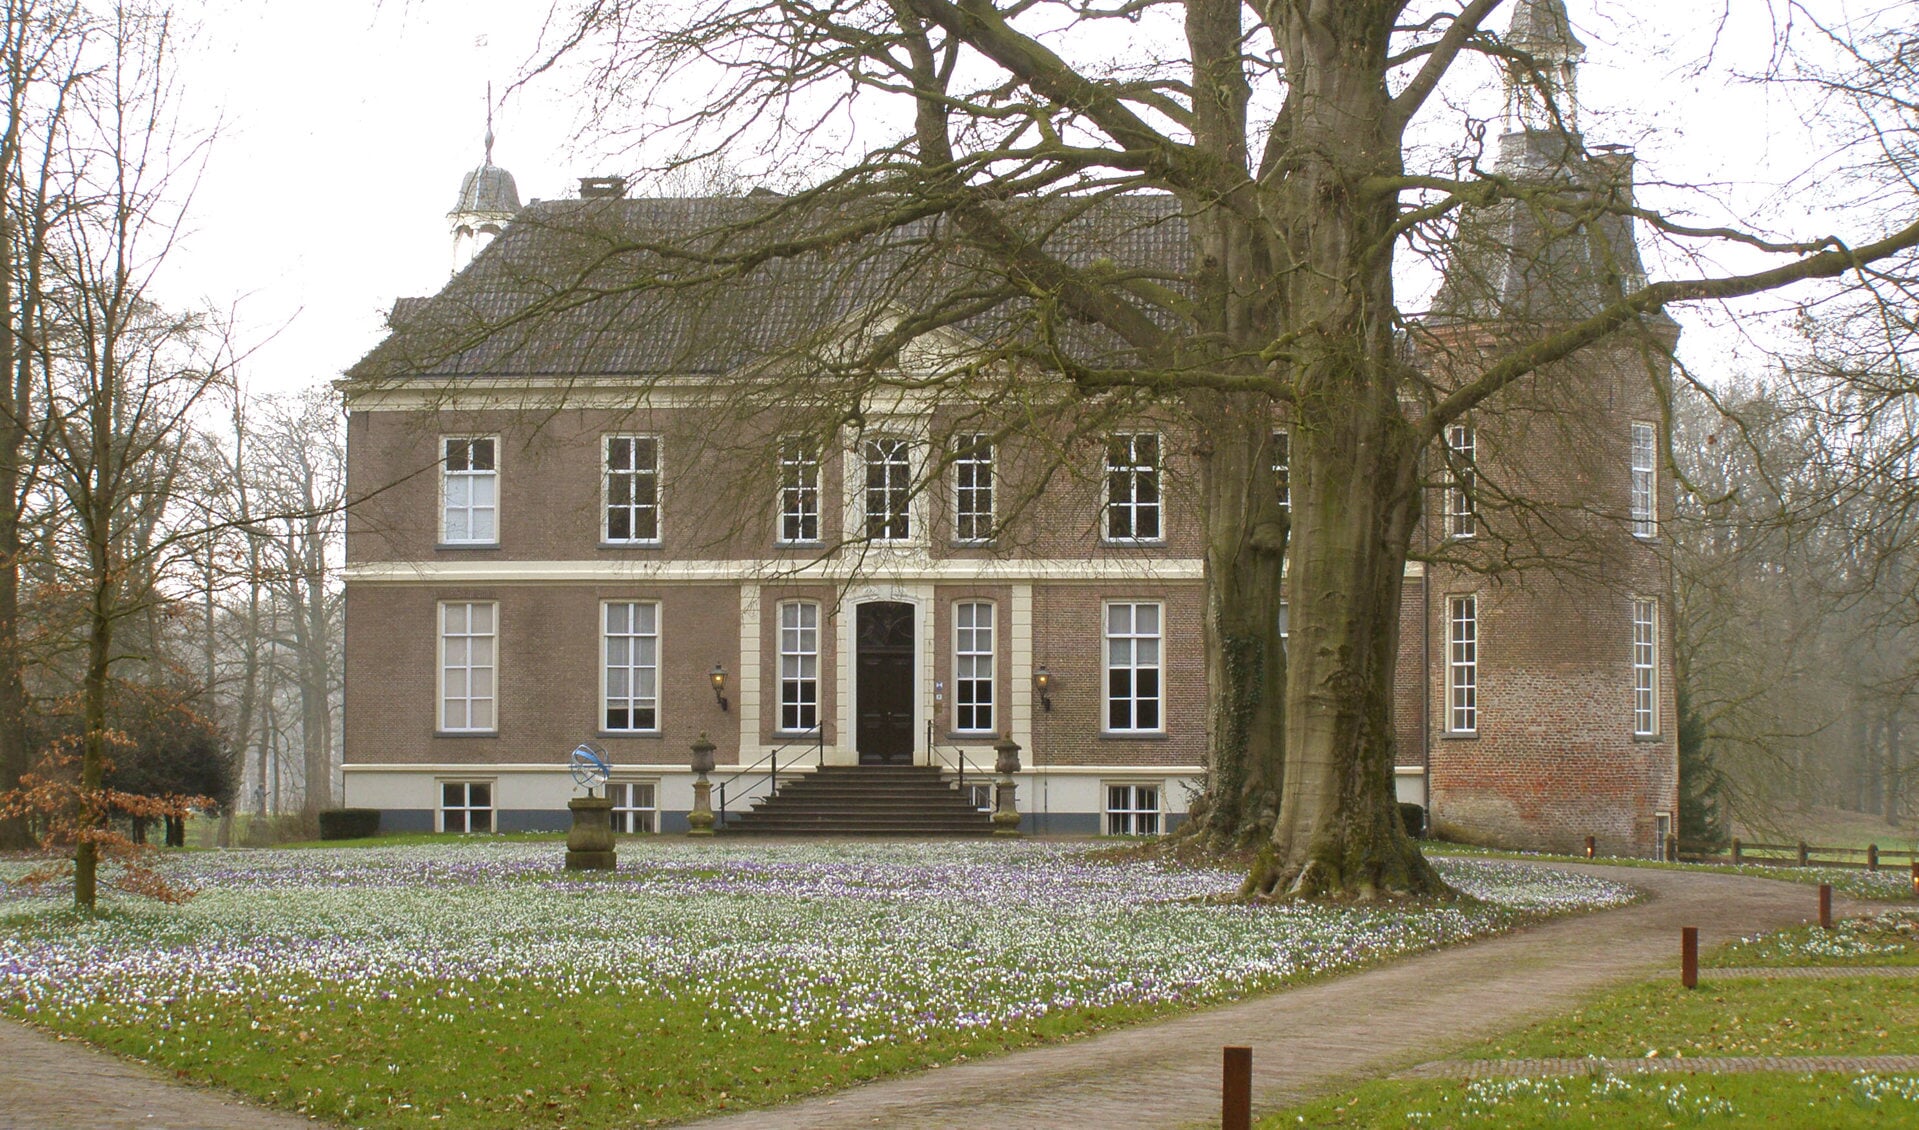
1005 810
699 822
589 845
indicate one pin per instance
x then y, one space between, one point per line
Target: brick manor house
562 533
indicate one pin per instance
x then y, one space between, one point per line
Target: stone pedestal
1005 807
699 822
589 846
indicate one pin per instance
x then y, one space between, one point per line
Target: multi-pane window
468 637
1645 667
980 797
888 489
1645 513
636 808
1462 519
1132 667
1132 487
799 666
973 667
466 806
632 488
1283 469
799 492
973 488
1462 665
469 491
632 665
1132 810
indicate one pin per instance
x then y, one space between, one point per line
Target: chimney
602 188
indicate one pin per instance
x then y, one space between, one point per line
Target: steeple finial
489 123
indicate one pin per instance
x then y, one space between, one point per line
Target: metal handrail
959 755
772 761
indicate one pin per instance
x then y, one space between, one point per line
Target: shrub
1414 817
349 823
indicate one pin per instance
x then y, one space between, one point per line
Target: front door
885 686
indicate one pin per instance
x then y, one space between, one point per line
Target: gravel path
1305 1040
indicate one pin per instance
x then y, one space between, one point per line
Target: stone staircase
864 800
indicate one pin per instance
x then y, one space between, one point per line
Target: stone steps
866 800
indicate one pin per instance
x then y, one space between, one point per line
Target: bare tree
1277 137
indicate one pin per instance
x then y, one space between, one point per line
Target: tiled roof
1529 260
602 287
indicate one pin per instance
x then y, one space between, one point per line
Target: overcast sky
345 128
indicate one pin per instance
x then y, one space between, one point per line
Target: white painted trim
483 771
1020 640
747 697
905 571
659 664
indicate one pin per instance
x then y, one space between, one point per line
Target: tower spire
489 123
1542 87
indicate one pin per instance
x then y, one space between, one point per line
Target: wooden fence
1802 854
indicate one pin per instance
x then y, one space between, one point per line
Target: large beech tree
1281 131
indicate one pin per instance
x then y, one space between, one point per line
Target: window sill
971 543
1133 543
1459 736
1134 736
978 737
1649 738
654 734
466 733
467 545
654 544
816 543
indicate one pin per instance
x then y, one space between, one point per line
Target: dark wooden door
885 708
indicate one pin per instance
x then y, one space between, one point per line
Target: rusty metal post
1872 857
1802 853
1825 906
1592 847
1736 852
1672 848
1689 956
1236 1090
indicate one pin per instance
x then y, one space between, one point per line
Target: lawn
475 984
1889 884
1863 1015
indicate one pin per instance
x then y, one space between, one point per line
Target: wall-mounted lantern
1043 683
718 676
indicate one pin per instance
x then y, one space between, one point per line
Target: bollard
1592 848
1236 1090
1872 857
1736 851
1689 956
1802 853
1825 906
1672 848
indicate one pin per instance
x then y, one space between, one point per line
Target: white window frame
1133 638
1283 469
448 476
636 474
794 676
632 698
1134 814
1125 465
629 818
466 810
1462 664
1645 667
968 658
893 456
1645 480
973 461
442 699
1462 511
1285 625
799 492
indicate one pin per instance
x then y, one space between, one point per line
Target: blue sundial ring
589 769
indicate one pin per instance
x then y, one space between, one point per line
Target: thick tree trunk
1339 831
1245 531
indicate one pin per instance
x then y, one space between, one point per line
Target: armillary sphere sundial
588 764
